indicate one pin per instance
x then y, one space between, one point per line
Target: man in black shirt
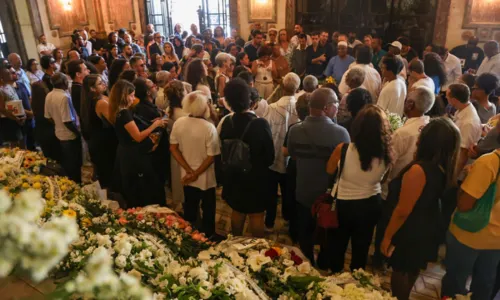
316 57
470 55
97 44
407 52
323 42
47 63
77 70
251 49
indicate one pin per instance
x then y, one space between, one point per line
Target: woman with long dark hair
135 176
44 130
412 212
358 189
175 93
180 49
219 35
156 62
97 129
196 76
112 54
434 68
115 69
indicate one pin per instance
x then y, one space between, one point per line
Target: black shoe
217 238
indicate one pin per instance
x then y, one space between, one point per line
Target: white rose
121 261
304 267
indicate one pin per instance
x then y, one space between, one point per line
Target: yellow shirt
482 174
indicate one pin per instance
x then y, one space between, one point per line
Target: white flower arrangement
26 245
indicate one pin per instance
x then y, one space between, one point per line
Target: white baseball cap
397 45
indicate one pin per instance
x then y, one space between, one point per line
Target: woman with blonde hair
286 48
135 177
225 62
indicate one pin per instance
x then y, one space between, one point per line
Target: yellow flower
37 185
51 203
69 213
6 188
86 222
63 187
3 176
26 185
49 196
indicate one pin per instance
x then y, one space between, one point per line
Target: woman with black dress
145 113
97 129
135 175
247 193
412 237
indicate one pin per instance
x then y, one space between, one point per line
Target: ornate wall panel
483 17
66 15
121 13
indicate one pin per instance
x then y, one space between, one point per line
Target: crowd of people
290 118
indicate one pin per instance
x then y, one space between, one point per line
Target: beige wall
24 19
244 24
455 21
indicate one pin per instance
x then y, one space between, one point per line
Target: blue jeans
462 261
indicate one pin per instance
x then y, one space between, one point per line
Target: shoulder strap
244 131
343 154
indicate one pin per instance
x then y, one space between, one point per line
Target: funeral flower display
52 227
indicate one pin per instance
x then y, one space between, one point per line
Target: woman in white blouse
358 189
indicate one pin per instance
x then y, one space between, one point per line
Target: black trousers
72 159
277 179
357 220
448 205
192 198
306 226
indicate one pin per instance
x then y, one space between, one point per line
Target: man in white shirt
298 29
466 119
404 145
469 124
491 64
395 49
372 82
45 48
59 108
86 43
194 143
393 94
453 67
417 76
280 116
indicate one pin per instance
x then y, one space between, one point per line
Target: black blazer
154 48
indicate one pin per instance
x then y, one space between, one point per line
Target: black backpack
235 154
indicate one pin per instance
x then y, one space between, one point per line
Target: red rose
140 217
296 259
271 253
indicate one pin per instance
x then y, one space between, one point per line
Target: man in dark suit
157 46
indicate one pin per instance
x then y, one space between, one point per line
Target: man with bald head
16 62
311 143
491 63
